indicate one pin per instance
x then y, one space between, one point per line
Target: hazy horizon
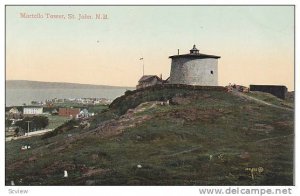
256 43
69 83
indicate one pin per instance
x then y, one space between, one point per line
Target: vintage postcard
149 95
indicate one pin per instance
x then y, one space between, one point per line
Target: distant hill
21 84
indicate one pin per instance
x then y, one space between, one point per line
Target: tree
17 131
35 123
40 122
8 122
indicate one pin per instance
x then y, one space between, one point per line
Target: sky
256 43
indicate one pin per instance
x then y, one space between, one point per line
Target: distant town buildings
62 107
83 101
54 112
69 112
14 113
32 110
74 112
84 114
14 110
72 108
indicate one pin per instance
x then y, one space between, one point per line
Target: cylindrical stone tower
194 69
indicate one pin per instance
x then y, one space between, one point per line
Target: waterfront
20 96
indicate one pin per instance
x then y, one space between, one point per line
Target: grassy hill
204 136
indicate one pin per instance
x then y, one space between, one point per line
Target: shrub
128 92
8 122
35 123
64 127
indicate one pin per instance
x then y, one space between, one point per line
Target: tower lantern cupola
194 50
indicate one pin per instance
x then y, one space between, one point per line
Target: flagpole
143 65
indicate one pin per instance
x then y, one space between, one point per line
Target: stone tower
194 69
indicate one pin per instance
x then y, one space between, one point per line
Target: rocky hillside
172 135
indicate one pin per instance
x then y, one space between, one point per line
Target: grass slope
204 137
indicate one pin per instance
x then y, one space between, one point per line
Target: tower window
211 72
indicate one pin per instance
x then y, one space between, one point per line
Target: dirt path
240 94
185 151
273 138
30 134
